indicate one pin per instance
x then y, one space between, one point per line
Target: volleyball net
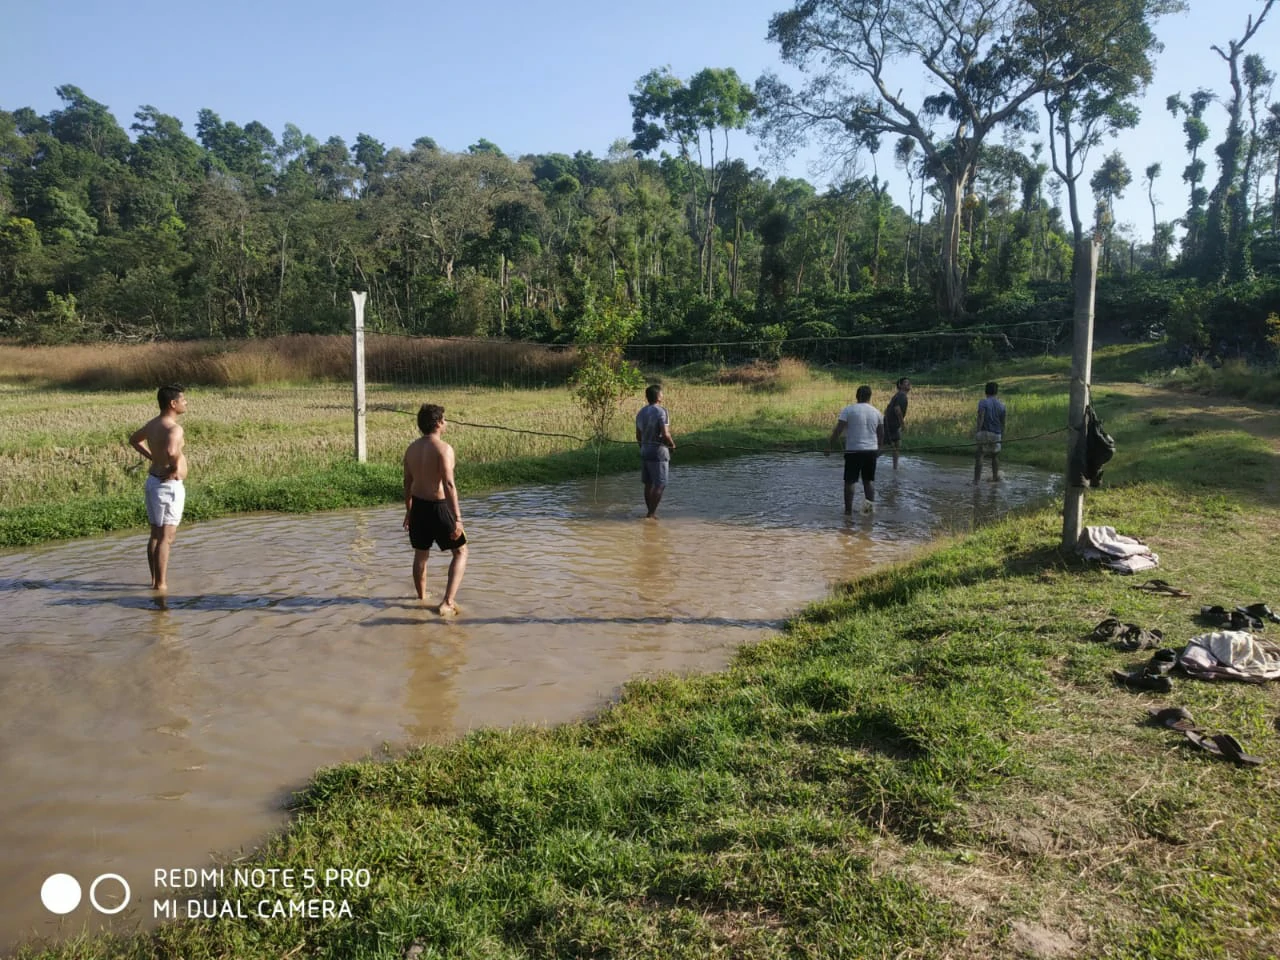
403 360
512 399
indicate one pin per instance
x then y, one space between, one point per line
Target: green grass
1235 378
933 762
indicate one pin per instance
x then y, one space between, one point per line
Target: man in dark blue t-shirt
894 416
989 432
653 433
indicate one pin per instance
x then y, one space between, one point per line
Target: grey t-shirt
991 415
650 421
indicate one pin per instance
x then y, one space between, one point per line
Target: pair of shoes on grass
1222 745
1251 618
1128 636
1154 676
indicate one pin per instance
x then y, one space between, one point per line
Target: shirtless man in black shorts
431 511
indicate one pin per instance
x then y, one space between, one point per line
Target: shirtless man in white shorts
160 440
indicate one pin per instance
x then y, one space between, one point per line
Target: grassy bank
933 763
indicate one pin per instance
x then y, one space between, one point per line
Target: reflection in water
136 737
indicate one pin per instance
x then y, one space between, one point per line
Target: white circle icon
93 893
60 893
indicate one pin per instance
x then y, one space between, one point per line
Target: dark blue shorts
653 473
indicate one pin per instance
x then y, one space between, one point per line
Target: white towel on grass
1116 551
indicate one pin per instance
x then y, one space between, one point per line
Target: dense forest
151 233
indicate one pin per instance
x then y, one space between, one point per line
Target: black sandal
1222 745
1141 680
1261 611
1161 586
1175 718
1242 619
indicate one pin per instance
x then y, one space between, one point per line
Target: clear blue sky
532 78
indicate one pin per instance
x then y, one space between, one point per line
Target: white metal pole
361 445
1081 376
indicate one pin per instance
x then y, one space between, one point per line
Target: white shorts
988 442
165 500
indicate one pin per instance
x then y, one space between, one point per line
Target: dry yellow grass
300 358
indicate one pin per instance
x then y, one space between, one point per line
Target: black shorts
431 521
860 464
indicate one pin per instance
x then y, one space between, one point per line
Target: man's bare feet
447 609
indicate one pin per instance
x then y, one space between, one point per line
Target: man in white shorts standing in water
161 441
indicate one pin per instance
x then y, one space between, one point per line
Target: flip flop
1175 718
1222 745
1161 586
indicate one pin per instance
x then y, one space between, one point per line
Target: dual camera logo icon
61 893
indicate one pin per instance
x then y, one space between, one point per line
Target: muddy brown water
136 738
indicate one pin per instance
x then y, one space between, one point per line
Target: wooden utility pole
1081 376
361 446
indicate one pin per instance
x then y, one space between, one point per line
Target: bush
1137 307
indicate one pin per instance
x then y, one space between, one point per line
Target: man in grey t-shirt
653 433
989 432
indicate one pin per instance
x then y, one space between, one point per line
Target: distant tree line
238 232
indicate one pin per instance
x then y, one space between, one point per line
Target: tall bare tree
987 58
1226 250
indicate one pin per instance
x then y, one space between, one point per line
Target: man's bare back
426 463
161 440
431 512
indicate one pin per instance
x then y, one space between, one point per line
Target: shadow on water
736 623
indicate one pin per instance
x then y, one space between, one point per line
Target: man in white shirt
863 430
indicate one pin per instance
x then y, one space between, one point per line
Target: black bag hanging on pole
1099 447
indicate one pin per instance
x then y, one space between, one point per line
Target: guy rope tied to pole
1081 374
